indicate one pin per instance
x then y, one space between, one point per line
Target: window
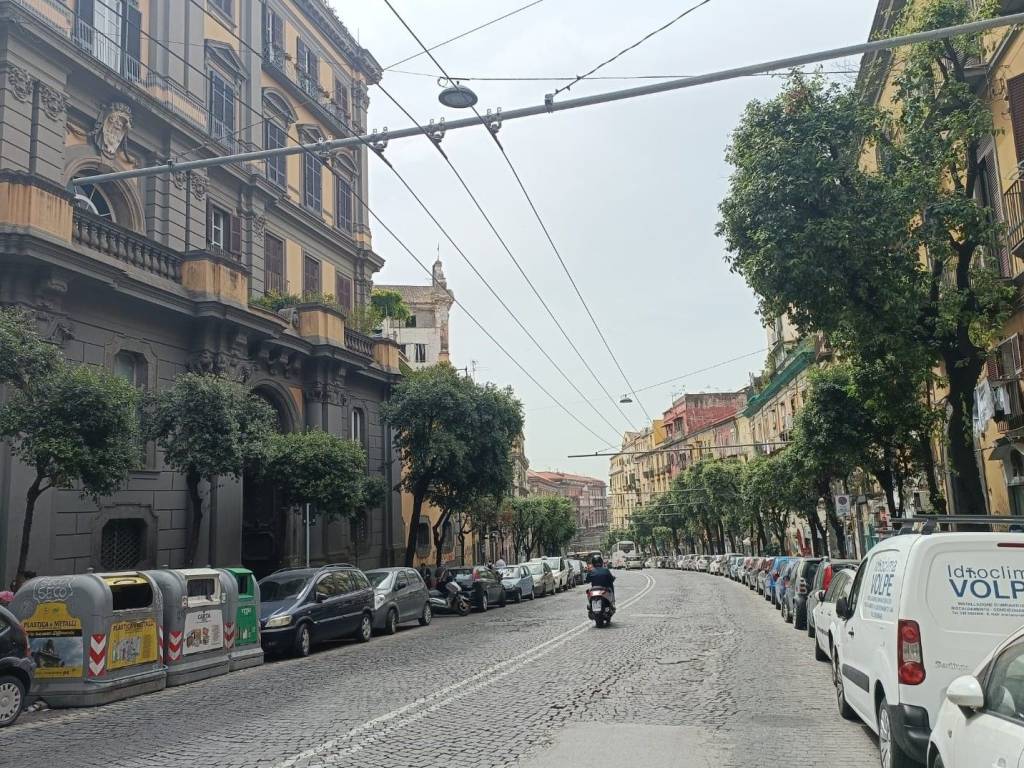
421 353
222 106
224 6
358 425
1015 99
309 68
343 204
343 292
273 31
327 586
273 264
122 544
312 181
1004 689
411 321
310 275
275 137
341 98
88 197
423 538
403 581
220 228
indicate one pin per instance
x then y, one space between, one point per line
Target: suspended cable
563 78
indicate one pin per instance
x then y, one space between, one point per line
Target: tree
882 259
555 524
70 424
764 492
321 469
455 439
389 303
25 358
207 426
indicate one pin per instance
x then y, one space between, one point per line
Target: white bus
620 553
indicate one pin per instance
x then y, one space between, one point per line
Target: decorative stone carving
180 179
20 82
201 362
360 95
54 102
317 392
221 363
200 183
259 223
111 128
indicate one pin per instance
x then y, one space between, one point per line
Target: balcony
308 89
105 237
1009 415
1013 210
358 343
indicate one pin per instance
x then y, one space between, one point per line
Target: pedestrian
500 563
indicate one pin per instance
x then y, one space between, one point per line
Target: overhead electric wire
464 34
563 78
455 245
536 212
515 261
639 42
550 106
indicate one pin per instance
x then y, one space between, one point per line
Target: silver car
518 582
543 579
399 595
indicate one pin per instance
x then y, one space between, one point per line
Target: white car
560 569
702 564
827 624
924 608
633 562
981 721
715 566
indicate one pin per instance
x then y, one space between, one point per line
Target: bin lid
124 579
238 570
207 572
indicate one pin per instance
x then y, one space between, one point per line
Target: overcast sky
628 190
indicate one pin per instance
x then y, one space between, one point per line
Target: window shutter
209 223
1015 98
273 264
235 244
301 57
276 29
1015 352
86 10
133 36
343 292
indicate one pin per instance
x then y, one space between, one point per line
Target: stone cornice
329 23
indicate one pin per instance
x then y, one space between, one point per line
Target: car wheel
427 616
391 622
303 640
890 752
810 628
365 631
837 680
799 623
483 602
12 699
937 762
533 594
819 654
517 596
599 622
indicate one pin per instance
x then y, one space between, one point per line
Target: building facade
154 276
624 480
424 336
589 500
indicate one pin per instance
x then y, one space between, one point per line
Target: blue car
784 582
772 577
518 582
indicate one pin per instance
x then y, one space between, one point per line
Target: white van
924 609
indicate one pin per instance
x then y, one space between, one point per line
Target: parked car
482 585
16 668
633 562
801 578
300 607
543 579
579 572
773 584
824 616
762 576
703 563
518 582
822 578
559 569
715 566
783 583
399 596
752 571
980 722
923 608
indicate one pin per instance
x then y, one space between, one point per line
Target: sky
629 192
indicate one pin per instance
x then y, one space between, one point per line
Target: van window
835 589
880 588
978 581
128 597
1004 691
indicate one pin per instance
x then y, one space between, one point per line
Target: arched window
89 197
358 426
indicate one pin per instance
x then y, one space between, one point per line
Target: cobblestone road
695 671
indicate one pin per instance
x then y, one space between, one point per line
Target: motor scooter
452 600
600 606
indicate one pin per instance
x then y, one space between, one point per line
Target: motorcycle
452 600
600 605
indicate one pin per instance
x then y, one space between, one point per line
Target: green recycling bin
243 636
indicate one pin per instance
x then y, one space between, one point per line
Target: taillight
828 577
476 576
801 587
909 657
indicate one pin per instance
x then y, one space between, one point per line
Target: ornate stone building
155 276
424 337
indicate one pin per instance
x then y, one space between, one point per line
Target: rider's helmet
596 561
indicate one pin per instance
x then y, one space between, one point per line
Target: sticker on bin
55 641
204 631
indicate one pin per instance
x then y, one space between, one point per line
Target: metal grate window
123 544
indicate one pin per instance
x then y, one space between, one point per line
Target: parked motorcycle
600 605
452 600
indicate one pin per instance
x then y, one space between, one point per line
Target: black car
16 668
800 581
482 584
300 607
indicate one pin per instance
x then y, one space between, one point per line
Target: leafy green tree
556 524
70 424
321 469
839 244
388 303
765 482
25 358
455 439
207 426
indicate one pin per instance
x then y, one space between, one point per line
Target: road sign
842 505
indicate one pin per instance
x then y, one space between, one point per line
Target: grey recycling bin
195 603
242 635
94 636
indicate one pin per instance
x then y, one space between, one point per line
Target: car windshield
536 568
380 579
510 573
462 574
283 586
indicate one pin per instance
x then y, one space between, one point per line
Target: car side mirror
320 596
397 588
966 692
843 608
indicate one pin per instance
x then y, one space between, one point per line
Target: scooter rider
599 576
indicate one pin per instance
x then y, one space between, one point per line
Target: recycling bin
195 603
243 636
94 636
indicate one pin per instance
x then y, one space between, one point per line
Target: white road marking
446 695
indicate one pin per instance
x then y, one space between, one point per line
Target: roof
419 294
555 477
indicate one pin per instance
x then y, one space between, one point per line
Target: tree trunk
437 533
927 458
195 516
34 492
414 525
675 539
968 493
